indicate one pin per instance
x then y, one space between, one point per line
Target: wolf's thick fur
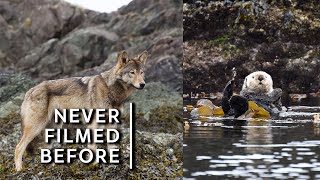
107 90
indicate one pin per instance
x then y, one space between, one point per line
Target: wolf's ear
123 58
143 57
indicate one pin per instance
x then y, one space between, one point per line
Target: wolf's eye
252 77
132 72
141 72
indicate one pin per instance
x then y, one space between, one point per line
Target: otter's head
258 82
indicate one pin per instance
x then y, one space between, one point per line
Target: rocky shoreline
280 38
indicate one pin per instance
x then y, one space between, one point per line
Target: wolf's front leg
93 145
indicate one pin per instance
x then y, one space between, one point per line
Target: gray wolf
107 90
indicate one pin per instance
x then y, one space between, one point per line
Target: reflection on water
222 148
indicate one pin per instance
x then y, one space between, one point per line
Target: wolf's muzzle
142 85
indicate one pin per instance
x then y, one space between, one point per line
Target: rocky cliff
279 37
48 39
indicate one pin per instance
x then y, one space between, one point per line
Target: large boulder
27 24
81 49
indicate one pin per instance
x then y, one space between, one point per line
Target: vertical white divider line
131 115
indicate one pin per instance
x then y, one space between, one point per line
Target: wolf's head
131 70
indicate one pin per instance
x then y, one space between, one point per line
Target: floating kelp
205 110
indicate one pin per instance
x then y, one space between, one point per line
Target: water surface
284 148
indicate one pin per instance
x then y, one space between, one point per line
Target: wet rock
256 35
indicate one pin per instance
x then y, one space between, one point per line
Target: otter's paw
239 105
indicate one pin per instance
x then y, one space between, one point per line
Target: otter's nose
142 85
260 78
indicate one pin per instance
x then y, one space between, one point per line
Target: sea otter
258 82
257 87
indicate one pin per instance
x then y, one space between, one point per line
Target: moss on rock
8 122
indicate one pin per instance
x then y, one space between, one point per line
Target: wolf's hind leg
50 125
30 131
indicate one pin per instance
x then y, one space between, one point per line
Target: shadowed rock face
50 39
279 37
